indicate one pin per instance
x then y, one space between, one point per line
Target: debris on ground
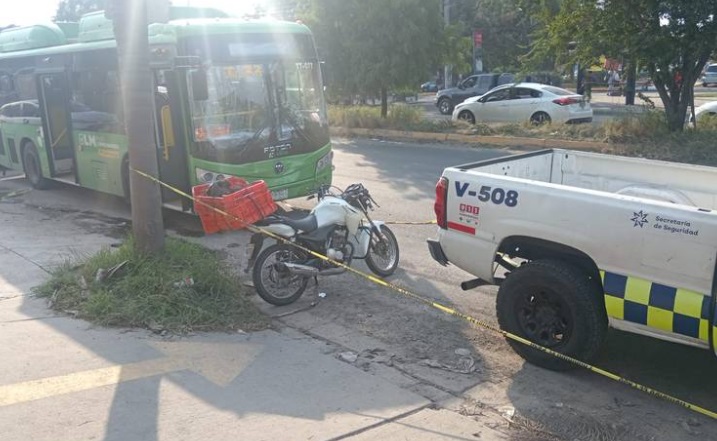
379 356
104 274
464 365
187 281
507 412
348 356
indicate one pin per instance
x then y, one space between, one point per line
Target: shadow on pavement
583 405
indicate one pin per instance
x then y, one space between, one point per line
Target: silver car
710 75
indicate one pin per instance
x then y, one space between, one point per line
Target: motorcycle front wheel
275 284
382 257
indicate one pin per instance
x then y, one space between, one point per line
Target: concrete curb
597 110
503 141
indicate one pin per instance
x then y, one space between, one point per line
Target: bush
154 291
400 117
636 128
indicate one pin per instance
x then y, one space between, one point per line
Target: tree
673 39
72 10
506 32
375 45
457 50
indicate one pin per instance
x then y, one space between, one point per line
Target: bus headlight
325 161
204 176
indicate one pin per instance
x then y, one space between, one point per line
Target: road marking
217 362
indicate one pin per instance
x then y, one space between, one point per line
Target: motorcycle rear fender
282 230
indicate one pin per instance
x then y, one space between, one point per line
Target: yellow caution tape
430 222
451 311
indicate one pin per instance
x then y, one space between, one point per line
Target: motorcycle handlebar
354 193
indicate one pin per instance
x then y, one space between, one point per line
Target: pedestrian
613 82
589 86
678 79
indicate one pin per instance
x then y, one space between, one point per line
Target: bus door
56 118
172 155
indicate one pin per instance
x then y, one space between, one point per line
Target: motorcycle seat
306 224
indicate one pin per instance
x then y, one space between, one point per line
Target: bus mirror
198 80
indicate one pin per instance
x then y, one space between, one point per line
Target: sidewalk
64 379
604 104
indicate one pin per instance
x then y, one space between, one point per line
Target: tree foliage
506 32
72 10
540 53
373 45
456 50
672 39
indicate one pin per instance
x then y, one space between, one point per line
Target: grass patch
399 117
149 292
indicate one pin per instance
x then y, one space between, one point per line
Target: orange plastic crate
244 207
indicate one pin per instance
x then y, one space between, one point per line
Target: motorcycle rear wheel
383 255
274 285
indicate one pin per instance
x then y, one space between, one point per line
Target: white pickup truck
585 241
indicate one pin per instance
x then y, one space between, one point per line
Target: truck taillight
441 200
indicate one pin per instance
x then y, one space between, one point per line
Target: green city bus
233 97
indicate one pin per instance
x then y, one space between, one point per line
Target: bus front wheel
33 168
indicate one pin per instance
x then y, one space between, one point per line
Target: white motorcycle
339 227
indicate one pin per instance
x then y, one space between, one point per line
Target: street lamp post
447 75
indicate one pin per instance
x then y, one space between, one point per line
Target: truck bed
675 183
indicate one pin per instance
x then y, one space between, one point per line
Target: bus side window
96 102
6 88
25 86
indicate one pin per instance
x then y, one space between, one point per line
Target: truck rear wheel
556 306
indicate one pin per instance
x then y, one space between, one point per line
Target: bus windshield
252 108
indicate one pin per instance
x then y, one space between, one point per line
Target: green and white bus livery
232 98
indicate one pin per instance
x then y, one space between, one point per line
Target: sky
26 12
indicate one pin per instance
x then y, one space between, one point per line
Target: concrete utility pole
447 69
130 27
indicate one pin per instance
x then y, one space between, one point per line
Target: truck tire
556 306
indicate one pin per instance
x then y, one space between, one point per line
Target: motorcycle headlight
325 161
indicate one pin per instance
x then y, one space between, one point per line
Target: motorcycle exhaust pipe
306 270
298 269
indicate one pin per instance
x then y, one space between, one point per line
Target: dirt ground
459 367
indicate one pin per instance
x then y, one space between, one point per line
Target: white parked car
537 103
706 110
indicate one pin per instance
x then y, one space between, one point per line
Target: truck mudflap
437 252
